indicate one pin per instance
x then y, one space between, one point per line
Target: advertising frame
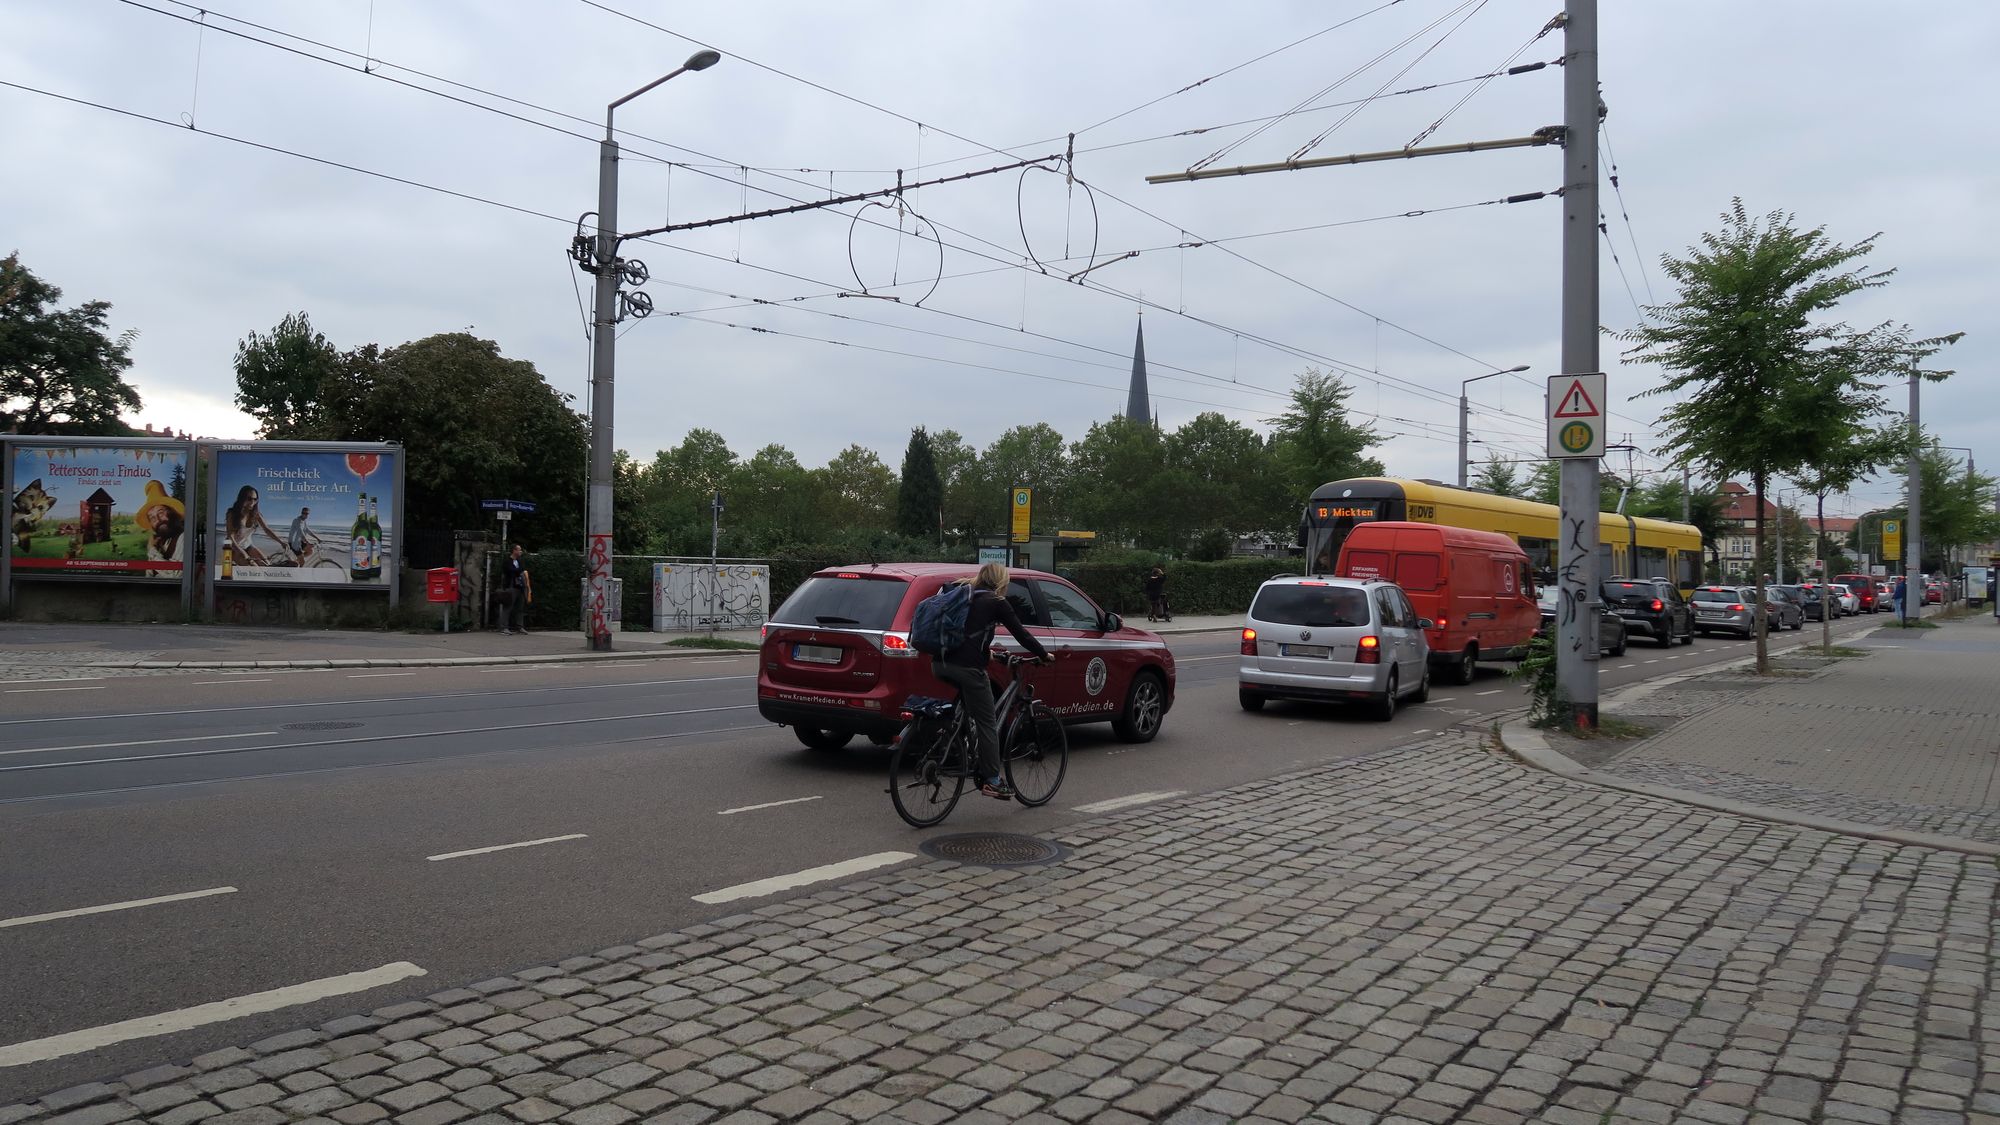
190 534
214 454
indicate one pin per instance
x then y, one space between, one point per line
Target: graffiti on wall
689 596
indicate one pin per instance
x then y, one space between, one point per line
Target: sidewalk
152 648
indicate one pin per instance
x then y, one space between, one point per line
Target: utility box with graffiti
703 595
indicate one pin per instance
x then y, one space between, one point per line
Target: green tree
1498 477
1317 441
1544 486
61 372
289 380
1753 360
957 466
773 501
1853 448
858 490
1226 479
1031 455
1121 488
681 484
633 531
920 497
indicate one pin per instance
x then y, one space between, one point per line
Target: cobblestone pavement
18 664
1906 737
1430 935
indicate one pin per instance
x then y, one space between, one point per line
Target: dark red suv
836 659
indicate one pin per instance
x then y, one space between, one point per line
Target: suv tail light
898 644
1369 651
1658 605
1249 647
1737 608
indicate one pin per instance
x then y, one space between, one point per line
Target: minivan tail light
897 644
1369 651
1249 647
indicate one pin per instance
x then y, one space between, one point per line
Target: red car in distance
1864 591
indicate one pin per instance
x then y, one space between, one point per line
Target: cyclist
964 667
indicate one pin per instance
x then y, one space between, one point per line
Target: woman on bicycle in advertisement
964 667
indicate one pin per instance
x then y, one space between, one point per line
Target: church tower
1137 405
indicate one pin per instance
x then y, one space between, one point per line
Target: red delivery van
1474 584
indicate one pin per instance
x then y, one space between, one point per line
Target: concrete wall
95 601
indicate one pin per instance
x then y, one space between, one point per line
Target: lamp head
702 60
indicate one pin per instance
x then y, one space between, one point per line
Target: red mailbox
443 584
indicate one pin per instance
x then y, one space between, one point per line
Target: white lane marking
377 738
378 699
1129 801
140 742
1649 662
32 690
130 904
811 875
765 805
1443 698
236 1007
239 680
70 679
377 675
1495 691
1628 665
724 659
507 847
1425 730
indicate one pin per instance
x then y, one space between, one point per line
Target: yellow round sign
1576 437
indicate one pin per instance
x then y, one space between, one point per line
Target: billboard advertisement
295 516
103 509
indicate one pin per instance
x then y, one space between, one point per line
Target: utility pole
1465 415
1913 555
1576 559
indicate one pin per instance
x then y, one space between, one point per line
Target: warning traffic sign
1576 415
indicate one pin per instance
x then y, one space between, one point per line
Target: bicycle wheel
1037 755
925 773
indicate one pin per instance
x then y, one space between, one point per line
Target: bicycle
935 752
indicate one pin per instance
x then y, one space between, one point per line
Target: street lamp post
603 363
1465 414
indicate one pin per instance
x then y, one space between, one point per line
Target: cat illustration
31 504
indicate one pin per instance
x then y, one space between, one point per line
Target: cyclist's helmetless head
992 576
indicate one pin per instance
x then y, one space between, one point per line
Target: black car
1651 607
1610 630
1807 598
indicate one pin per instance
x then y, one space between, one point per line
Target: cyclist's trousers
975 694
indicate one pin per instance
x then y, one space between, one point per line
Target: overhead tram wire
1611 164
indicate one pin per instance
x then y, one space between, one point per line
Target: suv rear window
865 603
1316 606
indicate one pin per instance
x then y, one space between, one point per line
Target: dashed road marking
139 742
780 883
1127 802
129 904
236 1007
212 683
507 847
765 805
376 675
32 690
1495 691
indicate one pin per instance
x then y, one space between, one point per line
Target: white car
1850 603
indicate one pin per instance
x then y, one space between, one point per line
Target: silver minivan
1333 639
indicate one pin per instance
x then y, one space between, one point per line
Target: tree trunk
1759 621
1825 586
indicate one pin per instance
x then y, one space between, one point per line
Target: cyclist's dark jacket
987 611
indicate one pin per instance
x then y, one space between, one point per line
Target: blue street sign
507 506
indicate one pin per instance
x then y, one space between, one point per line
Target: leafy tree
920 499
1544 486
1121 487
1852 450
1498 477
1316 442
774 501
1755 365
1227 481
287 379
1031 455
957 466
61 372
858 490
633 530
681 484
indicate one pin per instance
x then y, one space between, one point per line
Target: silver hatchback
1333 639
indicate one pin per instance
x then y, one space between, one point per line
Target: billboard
298 515
102 508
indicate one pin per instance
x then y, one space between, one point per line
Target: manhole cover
331 724
991 849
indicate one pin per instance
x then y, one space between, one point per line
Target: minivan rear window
1717 596
843 603
1314 606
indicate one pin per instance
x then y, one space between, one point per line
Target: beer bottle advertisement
338 502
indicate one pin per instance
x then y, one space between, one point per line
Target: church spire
1137 405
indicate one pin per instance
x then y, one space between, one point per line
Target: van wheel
1385 707
1249 700
1145 708
823 738
1466 666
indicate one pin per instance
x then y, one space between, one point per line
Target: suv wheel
1667 633
1145 708
1687 638
823 738
1385 707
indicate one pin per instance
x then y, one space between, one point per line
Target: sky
968 307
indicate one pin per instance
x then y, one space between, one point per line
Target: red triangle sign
1576 402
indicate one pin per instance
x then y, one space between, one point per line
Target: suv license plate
816 654
1320 651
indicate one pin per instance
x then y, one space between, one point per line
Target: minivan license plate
816 654
1320 651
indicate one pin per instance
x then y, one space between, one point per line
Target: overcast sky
1854 116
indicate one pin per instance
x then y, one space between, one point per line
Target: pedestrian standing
1156 595
516 591
1900 598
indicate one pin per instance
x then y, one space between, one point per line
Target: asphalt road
316 820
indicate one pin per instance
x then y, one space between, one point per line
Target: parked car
1819 599
1885 598
1340 639
1934 593
1789 607
1474 586
1849 601
836 659
1610 627
1865 592
1725 609
1652 607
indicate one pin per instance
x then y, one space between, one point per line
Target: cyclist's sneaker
997 787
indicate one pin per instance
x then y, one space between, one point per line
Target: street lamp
1465 413
604 358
